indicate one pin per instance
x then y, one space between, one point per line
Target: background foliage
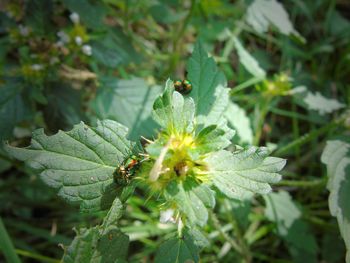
62 62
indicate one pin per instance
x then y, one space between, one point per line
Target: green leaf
114 49
105 243
90 245
262 13
337 25
209 88
128 102
191 200
13 108
336 156
79 163
204 193
316 101
241 210
177 250
38 16
211 139
238 119
333 247
113 215
64 108
281 209
163 13
241 174
86 11
248 61
301 243
172 111
199 239
4 164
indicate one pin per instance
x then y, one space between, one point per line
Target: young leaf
241 174
172 111
248 61
79 163
209 87
336 156
211 139
199 239
177 250
191 200
262 13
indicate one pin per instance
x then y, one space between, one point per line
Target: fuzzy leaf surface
212 139
79 163
241 174
192 200
172 111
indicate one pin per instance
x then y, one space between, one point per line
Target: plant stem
230 44
6 245
240 247
246 253
246 84
42 258
304 184
296 132
177 36
262 109
306 138
126 16
180 227
218 227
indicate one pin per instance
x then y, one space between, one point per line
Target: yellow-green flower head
279 86
187 159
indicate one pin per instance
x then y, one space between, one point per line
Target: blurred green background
287 62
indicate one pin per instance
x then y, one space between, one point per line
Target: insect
122 175
184 86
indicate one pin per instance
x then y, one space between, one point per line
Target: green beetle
187 86
183 86
122 175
